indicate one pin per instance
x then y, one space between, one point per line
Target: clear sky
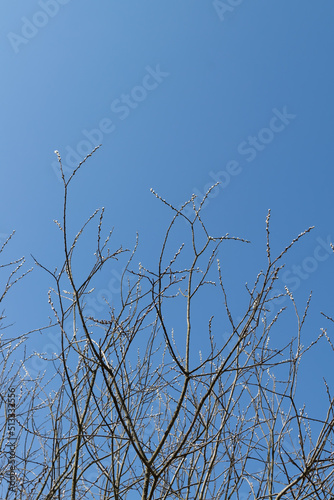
181 94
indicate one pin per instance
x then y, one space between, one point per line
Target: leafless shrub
133 412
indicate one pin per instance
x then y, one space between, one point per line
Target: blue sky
180 94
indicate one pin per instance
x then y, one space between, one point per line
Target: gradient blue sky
244 94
